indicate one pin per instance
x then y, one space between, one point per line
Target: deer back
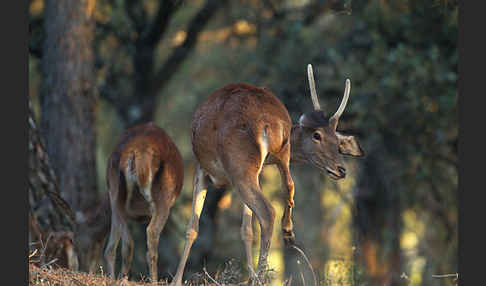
142 152
235 113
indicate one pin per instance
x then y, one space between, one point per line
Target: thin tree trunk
68 99
378 224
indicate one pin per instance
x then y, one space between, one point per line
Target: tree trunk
68 99
51 220
377 222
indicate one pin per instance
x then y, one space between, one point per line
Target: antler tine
312 86
344 101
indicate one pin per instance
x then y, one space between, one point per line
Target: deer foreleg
287 224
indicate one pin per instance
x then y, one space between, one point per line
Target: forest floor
49 276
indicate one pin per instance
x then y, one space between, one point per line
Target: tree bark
51 220
68 98
43 183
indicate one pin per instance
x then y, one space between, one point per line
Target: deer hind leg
155 227
127 251
198 197
117 220
115 235
247 237
261 207
244 168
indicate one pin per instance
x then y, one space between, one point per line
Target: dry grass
50 276
47 276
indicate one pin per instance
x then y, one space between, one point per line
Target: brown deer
240 128
144 178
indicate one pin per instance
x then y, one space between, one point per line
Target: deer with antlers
239 129
144 177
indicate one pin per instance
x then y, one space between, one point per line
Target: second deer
144 177
240 128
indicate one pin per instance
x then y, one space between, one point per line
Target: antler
343 102
312 86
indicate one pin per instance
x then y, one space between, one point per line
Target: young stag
144 178
240 128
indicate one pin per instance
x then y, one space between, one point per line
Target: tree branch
180 53
130 9
161 22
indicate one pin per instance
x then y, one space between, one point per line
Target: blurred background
97 67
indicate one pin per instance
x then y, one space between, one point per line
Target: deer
144 178
240 128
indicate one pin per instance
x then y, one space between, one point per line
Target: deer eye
316 136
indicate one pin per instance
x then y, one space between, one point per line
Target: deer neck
296 154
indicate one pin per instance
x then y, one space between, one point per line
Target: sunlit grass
338 272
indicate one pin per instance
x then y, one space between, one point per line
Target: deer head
315 138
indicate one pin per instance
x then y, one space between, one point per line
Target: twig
308 263
50 262
212 279
255 276
456 275
301 274
33 253
44 246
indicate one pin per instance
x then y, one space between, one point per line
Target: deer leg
261 207
287 225
115 235
155 227
198 197
247 237
127 251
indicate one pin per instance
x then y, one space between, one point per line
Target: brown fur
234 132
144 177
238 110
237 130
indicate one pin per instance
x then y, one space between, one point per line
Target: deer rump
238 122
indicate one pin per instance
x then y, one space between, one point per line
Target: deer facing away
240 128
144 177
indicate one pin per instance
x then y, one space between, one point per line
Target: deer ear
302 119
349 145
